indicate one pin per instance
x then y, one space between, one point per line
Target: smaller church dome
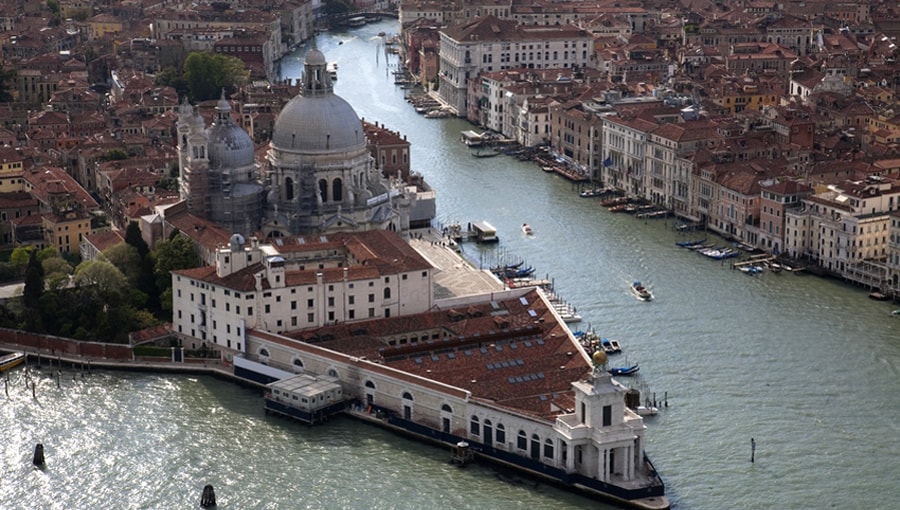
229 145
315 58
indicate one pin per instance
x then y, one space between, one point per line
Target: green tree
34 282
178 252
134 238
126 259
56 272
101 279
206 75
20 256
172 77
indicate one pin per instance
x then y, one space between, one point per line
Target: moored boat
624 370
691 244
610 346
641 292
8 361
646 410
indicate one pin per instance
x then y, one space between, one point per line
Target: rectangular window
310 317
607 416
268 308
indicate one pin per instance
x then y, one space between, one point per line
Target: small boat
896 313
878 296
641 292
610 346
646 411
9 361
590 193
526 228
486 154
691 244
624 370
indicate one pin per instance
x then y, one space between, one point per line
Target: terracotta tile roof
515 354
46 181
104 240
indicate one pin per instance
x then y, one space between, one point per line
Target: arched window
370 384
264 353
522 441
387 293
446 408
407 406
323 190
337 190
298 365
535 446
501 433
289 189
333 373
475 426
548 448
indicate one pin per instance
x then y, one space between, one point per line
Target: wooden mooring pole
208 499
38 459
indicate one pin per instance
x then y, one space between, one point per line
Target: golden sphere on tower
599 357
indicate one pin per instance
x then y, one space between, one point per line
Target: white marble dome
317 121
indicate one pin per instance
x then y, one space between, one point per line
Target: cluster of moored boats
710 250
593 343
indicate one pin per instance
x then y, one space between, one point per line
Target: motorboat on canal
526 229
12 360
641 292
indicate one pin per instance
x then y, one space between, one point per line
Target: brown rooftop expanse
512 353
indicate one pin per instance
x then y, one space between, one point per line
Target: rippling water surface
806 366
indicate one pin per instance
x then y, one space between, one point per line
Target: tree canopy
207 74
178 252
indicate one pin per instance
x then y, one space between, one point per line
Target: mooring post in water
38 459
208 499
666 398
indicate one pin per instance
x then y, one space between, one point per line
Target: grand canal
806 366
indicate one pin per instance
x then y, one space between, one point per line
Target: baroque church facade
318 175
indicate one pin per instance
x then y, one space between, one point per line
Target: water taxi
9 361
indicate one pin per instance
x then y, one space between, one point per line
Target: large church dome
317 120
229 145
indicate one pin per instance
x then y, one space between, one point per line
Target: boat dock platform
755 260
